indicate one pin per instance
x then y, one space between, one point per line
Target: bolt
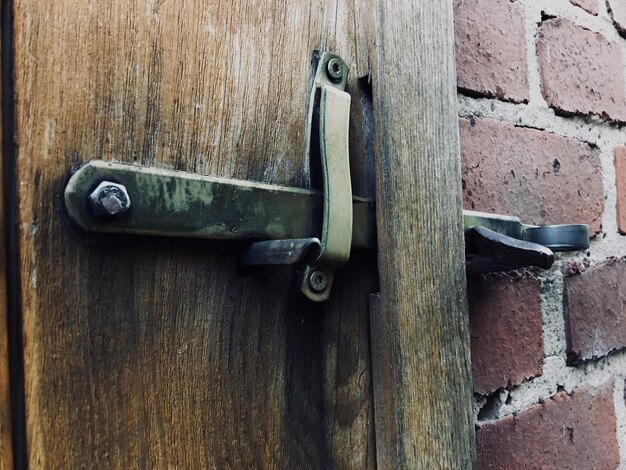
334 68
109 199
318 280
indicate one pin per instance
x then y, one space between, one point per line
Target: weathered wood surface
6 450
154 353
420 339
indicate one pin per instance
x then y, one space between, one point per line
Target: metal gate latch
178 204
309 228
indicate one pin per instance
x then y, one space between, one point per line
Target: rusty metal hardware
329 124
187 205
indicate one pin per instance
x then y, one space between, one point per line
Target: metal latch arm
173 203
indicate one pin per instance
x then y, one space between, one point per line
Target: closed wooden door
139 352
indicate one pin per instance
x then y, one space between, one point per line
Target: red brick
595 311
620 182
581 71
540 177
576 432
618 14
590 6
505 328
490 49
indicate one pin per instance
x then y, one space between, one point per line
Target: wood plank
155 353
420 339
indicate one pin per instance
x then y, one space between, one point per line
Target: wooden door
157 353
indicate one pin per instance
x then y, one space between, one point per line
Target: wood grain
420 339
158 353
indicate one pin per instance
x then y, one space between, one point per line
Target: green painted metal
179 204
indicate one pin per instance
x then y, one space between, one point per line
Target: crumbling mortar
601 23
557 377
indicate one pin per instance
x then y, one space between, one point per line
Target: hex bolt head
109 199
334 69
318 280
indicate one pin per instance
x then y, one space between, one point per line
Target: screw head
318 280
334 69
109 199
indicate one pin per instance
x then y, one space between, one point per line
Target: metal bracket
331 113
329 120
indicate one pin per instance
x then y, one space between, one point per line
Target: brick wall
542 109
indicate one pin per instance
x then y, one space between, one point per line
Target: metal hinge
283 225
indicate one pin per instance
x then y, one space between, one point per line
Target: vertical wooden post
420 339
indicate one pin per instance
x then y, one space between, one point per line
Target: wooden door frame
420 328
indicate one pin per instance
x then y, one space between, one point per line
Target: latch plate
564 237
